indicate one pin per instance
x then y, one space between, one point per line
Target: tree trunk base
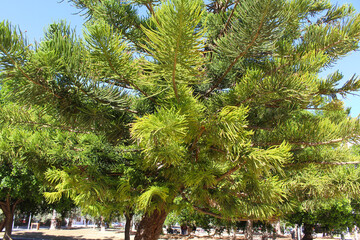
150 226
308 230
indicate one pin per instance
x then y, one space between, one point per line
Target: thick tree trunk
308 230
128 217
8 209
151 225
249 233
8 225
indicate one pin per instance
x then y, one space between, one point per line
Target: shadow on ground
68 234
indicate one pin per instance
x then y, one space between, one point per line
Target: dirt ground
92 234
68 234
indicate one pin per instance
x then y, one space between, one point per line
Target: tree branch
228 20
322 163
126 80
218 150
303 56
2 205
103 101
150 8
26 75
305 144
259 128
216 215
16 203
202 129
240 55
229 172
174 68
44 125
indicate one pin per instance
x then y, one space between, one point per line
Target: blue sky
34 15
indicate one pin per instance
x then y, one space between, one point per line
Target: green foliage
333 215
153 196
21 184
168 129
218 109
175 25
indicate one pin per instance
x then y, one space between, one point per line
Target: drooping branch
216 215
208 212
26 75
103 101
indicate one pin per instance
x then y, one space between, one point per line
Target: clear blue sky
34 15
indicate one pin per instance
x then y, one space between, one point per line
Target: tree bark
151 225
8 225
249 234
69 224
308 230
8 209
128 217
2 225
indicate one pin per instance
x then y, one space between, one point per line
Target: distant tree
19 185
331 215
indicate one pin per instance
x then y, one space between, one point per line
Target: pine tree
222 101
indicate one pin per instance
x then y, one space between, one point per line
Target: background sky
33 16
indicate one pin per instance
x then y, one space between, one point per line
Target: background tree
19 186
333 216
214 98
